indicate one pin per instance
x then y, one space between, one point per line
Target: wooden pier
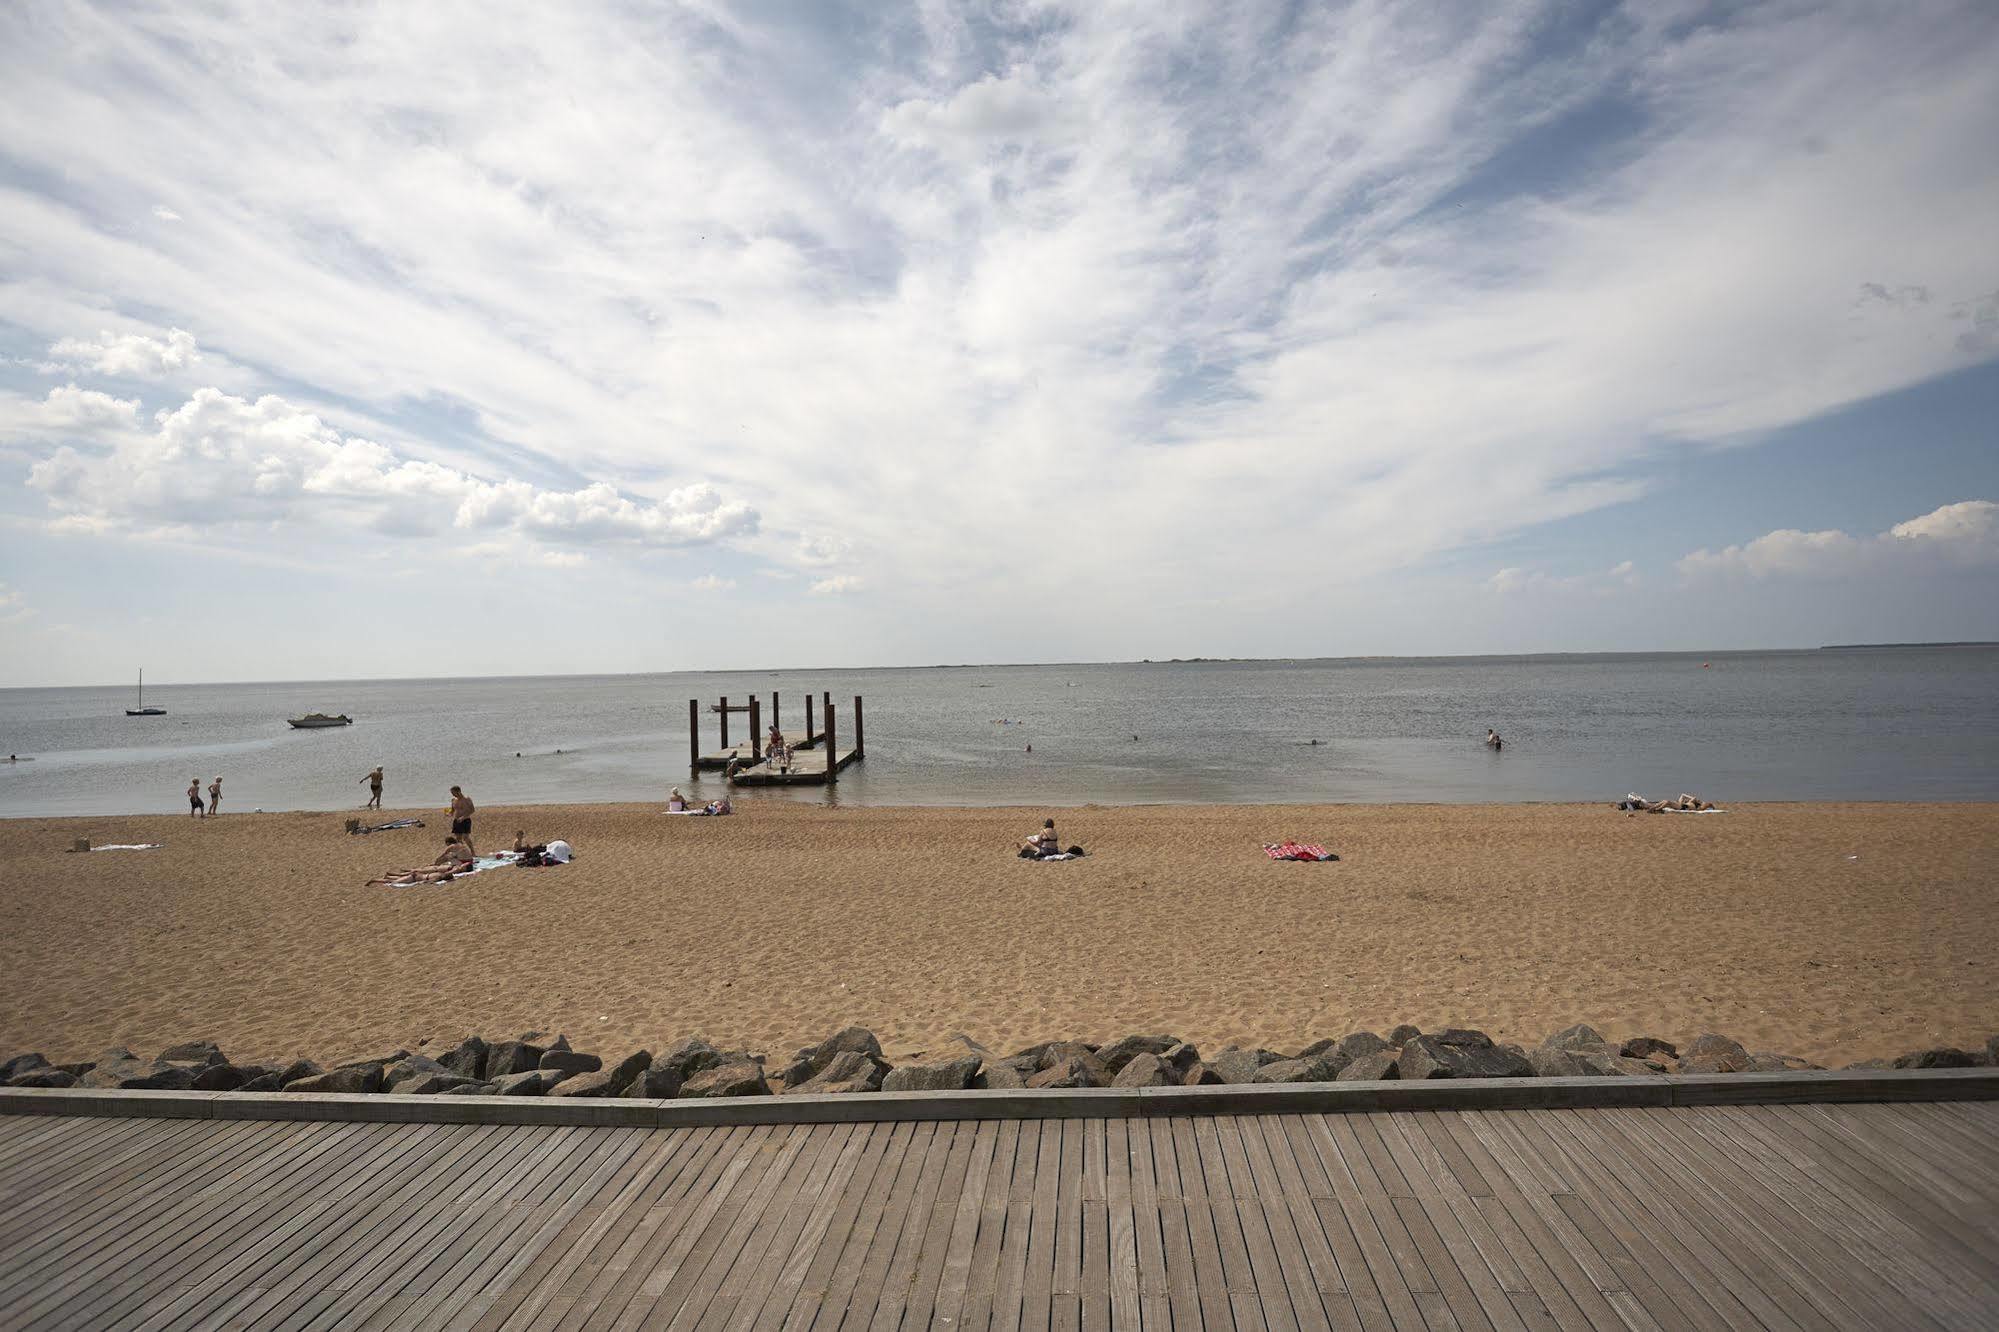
816 758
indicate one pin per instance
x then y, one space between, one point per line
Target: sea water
1875 724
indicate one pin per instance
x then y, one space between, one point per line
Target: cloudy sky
389 340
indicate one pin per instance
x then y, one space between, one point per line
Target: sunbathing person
1045 842
454 859
718 806
676 803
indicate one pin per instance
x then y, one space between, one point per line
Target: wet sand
1835 932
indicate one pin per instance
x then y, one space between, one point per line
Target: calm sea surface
1883 724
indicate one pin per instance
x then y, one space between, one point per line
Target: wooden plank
973 1309
1267 1274
760 1256
1038 1277
1210 1279
956 1196
1176 1241
1302 1271
1066 1282
1154 1309
1012 1276
800 1247
921 1158
877 1160
1094 1288
1338 1233
1226 1223
1121 1225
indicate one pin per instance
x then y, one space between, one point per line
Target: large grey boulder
1782 1063
1557 1063
1992 1052
364 1077
1198 1074
507 1057
1939 1057
1147 1070
1121 1052
528 1082
687 1056
298 1068
469 1089
737 1077
1464 1038
467 1058
198 1053
223 1077
846 1071
1648 1047
653 1084
1315 1069
571 1062
1352 1046
1239 1066
263 1082
1182 1059
409 1070
936 1075
1714 1054
813 1060
609 1081
433 1084
1570 1038
1071 1071
1429 1057
1404 1034
22 1063
47 1075
998 1076
1376 1067
136 1075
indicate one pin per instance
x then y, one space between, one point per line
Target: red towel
1296 851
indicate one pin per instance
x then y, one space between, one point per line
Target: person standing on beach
461 818
194 808
374 780
215 796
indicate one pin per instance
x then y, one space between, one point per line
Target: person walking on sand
461 818
374 780
215 796
194 808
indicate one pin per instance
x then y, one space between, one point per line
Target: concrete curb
1950 1084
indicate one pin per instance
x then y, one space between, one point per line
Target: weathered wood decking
1775 1216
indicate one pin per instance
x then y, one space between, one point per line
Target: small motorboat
142 710
313 721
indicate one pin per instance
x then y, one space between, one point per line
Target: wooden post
860 741
725 723
776 717
756 730
832 749
693 737
808 719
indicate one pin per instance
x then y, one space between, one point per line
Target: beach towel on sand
1297 851
130 846
390 826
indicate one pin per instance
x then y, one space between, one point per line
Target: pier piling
832 748
860 743
693 737
756 730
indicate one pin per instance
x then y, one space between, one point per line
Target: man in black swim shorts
461 817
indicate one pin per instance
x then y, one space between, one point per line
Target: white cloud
13 609
129 354
218 462
713 583
1956 535
838 585
1514 580
165 214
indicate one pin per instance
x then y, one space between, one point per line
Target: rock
1181 1058
602 1082
45 1076
1063 1051
1871 1065
1781 1063
1074 1071
1403 1034
654 1084
364 1077
1033 1058
116 1054
199 1053
571 1062
1549 1062
1315 1069
1234 1065
528 1082
263 1082
1146 1069
132 1075
630 1067
998 1077
509 1057
221 1077
1464 1039
1121 1052
814 1059
1199 1074
1714 1054
737 1077
1315 1049
1431 1057
432 1084
1376 1067
1648 1047
687 1057
298 1068
1940 1057
1568 1038
22 1063
846 1071
469 1089
409 1070
1992 1052
467 1058
1352 1046
937 1075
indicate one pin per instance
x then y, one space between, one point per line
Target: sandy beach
1835 932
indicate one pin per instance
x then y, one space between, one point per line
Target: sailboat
142 710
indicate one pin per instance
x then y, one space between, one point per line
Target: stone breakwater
851 1061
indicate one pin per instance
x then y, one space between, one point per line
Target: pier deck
808 768
1722 1216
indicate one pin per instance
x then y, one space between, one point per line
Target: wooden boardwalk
1766 1216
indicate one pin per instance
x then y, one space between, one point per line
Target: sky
389 340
